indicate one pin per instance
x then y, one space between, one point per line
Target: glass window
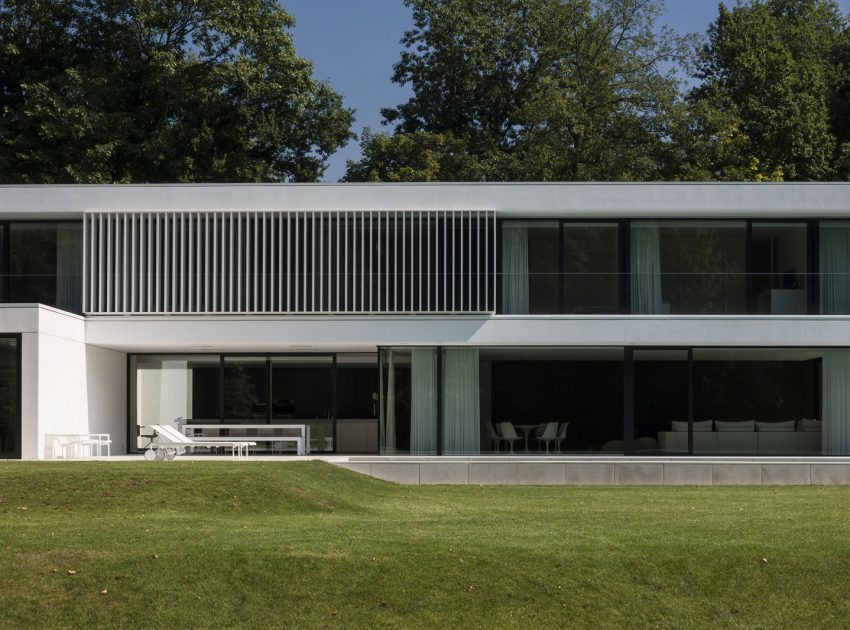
302 393
780 268
689 267
45 263
173 390
756 401
591 268
245 390
523 390
10 413
661 402
357 403
530 266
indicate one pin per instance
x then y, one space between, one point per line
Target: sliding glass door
660 423
257 389
724 401
302 392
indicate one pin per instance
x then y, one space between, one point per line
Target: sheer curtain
423 417
836 402
461 402
389 414
69 260
646 269
835 269
514 268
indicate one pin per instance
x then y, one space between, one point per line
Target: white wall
66 386
106 385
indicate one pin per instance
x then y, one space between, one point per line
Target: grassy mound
214 544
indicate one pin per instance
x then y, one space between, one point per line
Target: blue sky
354 44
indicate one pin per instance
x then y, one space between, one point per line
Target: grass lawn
187 544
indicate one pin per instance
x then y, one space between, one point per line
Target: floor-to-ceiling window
356 403
471 401
780 275
661 401
552 399
10 397
591 268
689 267
530 267
726 401
261 389
302 392
245 389
43 262
758 401
173 390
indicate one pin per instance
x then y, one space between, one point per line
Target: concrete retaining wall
621 472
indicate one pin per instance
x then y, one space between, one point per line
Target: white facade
74 370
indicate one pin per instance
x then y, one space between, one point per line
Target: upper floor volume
575 249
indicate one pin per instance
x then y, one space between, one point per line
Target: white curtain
423 414
835 269
515 269
461 402
389 437
646 270
836 402
69 260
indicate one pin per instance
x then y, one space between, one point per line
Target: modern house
430 319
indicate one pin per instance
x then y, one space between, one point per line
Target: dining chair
495 439
562 435
509 434
550 432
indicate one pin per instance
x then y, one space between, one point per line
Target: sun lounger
170 443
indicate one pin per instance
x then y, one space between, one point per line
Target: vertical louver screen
289 262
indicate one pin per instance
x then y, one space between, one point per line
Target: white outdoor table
302 440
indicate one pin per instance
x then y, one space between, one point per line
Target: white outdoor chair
171 443
509 434
549 434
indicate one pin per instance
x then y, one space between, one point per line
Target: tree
533 89
413 157
772 102
159 91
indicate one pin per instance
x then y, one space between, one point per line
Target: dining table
527 429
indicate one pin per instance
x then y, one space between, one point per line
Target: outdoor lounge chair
171 443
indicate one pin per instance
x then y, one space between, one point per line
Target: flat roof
562 199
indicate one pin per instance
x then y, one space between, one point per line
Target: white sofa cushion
785 425
807 424
734 425
699 425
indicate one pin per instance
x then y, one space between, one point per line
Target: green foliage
159 91
533 90
417 156
773 98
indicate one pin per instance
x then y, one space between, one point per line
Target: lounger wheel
150 454
160 454
170 454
